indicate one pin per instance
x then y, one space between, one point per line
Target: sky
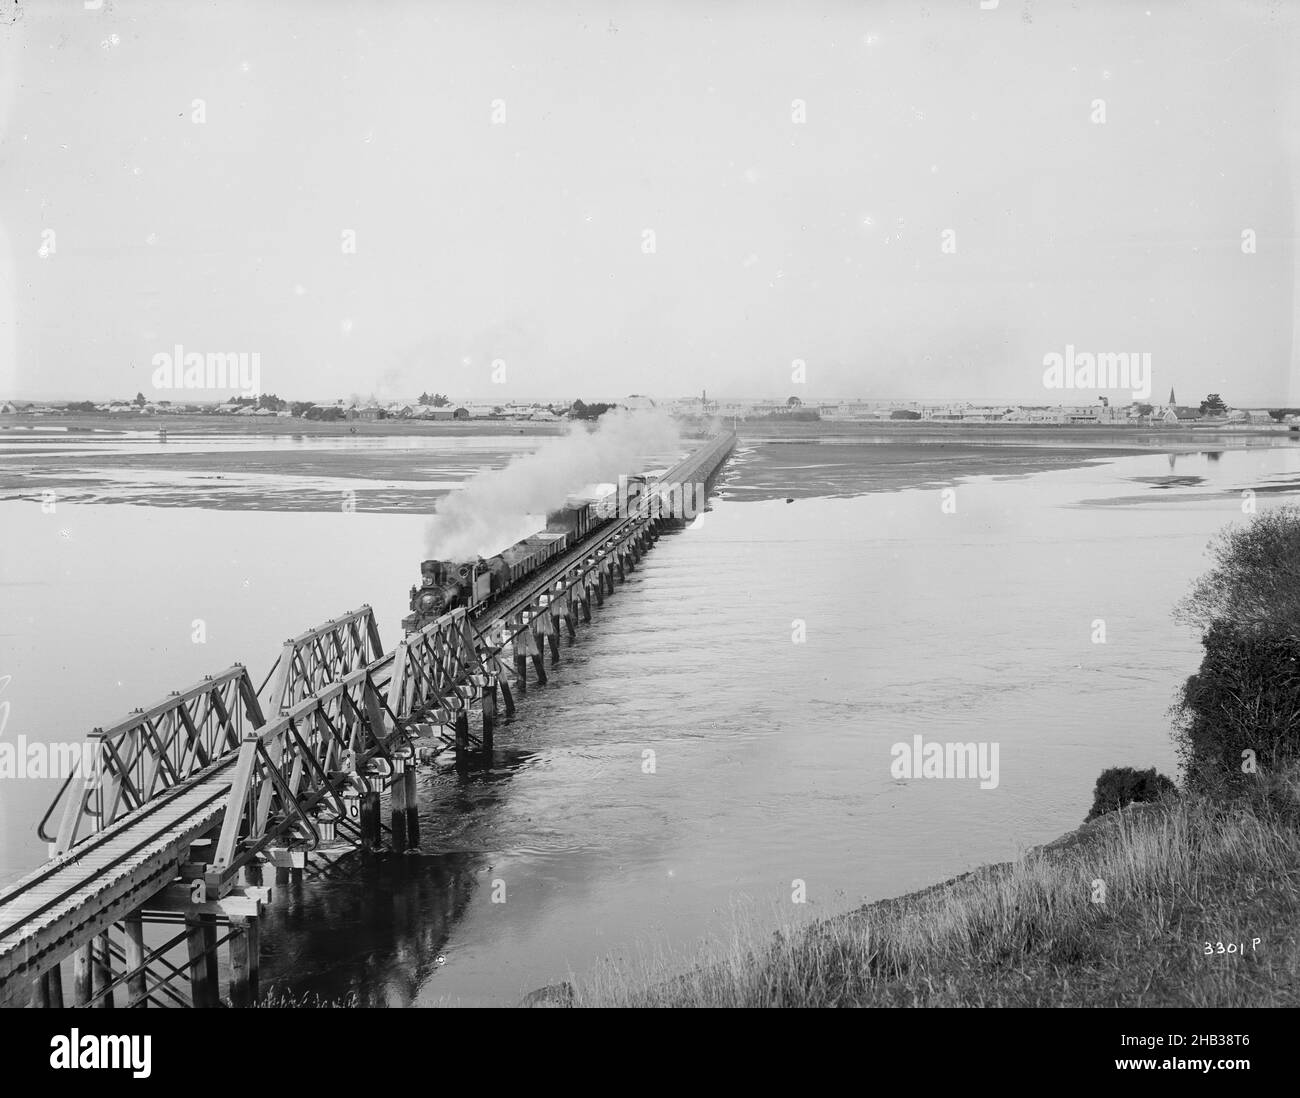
558 200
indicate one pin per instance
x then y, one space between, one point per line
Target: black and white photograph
609 504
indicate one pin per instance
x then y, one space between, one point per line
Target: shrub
1245 697
1121 785
1255 579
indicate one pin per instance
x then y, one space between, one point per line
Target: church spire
1171 395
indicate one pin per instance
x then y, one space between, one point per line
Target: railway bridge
171 840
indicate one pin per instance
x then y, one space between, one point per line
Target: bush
1245 697
1121 785
1255 579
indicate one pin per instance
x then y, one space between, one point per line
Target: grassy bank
1029 933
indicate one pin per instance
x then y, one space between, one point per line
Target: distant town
1212 410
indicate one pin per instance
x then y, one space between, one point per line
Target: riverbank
1193 903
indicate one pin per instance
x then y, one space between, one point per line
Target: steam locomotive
446 585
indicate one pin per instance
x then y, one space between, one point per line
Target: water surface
966 617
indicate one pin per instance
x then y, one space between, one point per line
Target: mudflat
403 466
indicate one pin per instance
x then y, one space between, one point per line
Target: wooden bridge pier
546 627
398 808
489 706
583 594
107 974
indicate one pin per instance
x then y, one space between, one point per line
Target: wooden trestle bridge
160 851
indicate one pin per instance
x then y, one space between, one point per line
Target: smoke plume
490 512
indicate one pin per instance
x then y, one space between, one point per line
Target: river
765 661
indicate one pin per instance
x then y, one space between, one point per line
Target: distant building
851 410
325 412
1035 413
519 411
8 408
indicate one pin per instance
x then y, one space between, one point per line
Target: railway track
496 615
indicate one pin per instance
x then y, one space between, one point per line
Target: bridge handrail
355 642
139 756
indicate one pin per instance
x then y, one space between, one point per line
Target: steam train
446 585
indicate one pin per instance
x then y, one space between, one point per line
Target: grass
277 999
1027 933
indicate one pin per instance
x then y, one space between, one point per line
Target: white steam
489 513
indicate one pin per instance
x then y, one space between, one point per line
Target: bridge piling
136 989
201 945
245 953
489 713
528 636
414 806
397 796
548 633
519 646
562 611
55 979
371 834
81 965
102 969
405 798
411 778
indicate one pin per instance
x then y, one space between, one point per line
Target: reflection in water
369 926
375 927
